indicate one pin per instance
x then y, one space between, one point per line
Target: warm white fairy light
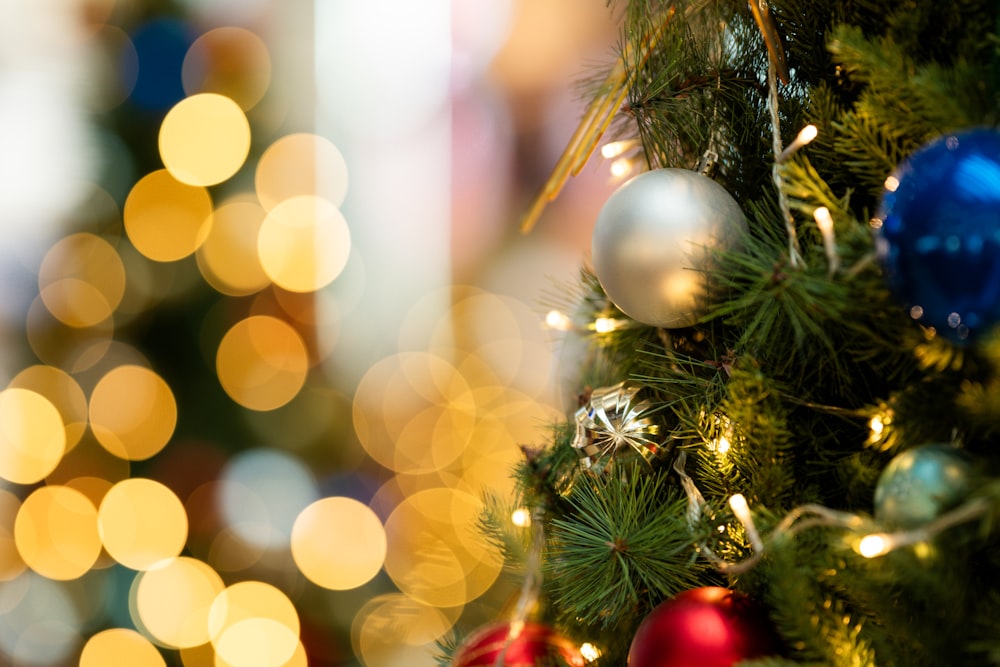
742 511
722 443
605 324
879 544
825 223
805 135
590 652
876 544
557 320
613 149
521 517
877 425
622 167
891 183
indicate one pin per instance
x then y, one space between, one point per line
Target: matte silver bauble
653 243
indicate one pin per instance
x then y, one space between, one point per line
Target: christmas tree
784 447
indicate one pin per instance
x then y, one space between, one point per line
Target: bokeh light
71 349
262 362
63 391
132 412
230 61
32 436
187 423
394 629
40 623
166 219
252 623
172 602
56 532
304 243
81 280
338 543
120 646
11 563
142 523
436 555
413 412
228 258
204 139
262 493
301 164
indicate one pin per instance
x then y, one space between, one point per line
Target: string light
804 137
825 223
605 324
876 544
879 544
614 149
741 509
521 517
557 320
590 652
622 167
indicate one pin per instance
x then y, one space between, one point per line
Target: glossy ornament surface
703 627
513 645
939 233
920 484
653 244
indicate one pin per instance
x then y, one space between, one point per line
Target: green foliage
797 354
622 548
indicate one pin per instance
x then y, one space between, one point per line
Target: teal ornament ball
653 244
922 483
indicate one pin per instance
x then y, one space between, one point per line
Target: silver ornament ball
653 242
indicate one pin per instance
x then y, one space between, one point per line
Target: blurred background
269 334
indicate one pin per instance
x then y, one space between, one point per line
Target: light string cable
811 515
531 587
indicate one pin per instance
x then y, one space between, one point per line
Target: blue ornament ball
921 483
939 239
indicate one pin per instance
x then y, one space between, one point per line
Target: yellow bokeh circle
262 362
56 532
301 164
251 599
63 391
228 258
230 61
132 412
338 543
165 219
11 563
120 646
304 243
436 554
142 523
254 624
81 280
204 139
172 602
379 639
32 436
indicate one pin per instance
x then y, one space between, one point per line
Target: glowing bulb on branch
590 652
805 135
521 517
558 321
876 544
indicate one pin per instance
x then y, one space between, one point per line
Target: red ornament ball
507 645
703 627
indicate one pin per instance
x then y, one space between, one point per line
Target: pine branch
622 549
